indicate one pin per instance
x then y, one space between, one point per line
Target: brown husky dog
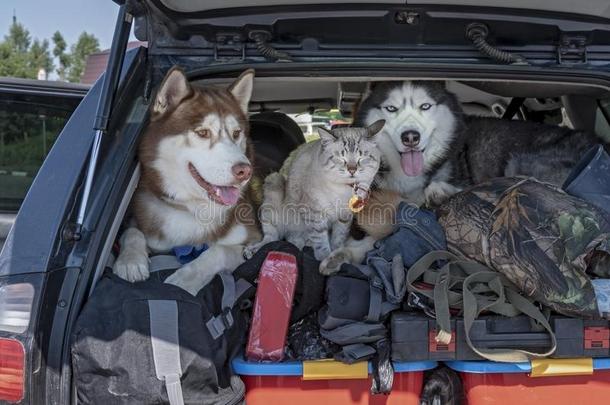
195 186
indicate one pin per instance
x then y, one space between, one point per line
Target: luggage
272 307
310 284
468 287
551 381
150 342
589 179
542 239
327 383
413 337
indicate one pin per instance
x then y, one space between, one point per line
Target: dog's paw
132 266
438 191
333 262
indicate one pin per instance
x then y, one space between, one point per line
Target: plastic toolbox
550 381
413 337
327 383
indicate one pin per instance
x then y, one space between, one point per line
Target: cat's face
351 154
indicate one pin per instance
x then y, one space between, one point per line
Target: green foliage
85 46
59 51
20 56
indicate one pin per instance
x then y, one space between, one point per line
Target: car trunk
319 57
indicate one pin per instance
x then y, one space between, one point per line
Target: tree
20 57
14 52
59 51
40 56
85 46
18 37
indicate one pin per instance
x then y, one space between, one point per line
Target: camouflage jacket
544 240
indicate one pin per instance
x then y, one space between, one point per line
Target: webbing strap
471 286
228 294
355 352
376 299
165 343
217 325
163 262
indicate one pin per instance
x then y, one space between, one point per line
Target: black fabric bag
153 343
309 290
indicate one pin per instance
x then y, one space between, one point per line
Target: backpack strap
165 343
232 291
478 289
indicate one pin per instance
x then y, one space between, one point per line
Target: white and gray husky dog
307 202
423 122
196 166
430 149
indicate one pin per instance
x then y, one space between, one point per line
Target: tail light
12 370
18 305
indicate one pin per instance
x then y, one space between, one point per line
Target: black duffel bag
153 343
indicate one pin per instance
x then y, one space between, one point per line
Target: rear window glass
27 133
310 122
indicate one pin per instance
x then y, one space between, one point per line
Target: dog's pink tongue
412 162
228 195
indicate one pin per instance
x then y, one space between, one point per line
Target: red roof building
96 63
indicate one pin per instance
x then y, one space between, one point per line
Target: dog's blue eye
425 106
391 108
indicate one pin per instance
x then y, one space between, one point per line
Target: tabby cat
306 203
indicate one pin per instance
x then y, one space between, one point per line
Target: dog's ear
242 89
326 137
370 86
173 90
374 128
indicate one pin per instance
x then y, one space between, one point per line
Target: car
33 113
308 56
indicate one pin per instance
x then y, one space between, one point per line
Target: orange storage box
288 384
486 382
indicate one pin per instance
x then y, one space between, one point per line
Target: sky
43 17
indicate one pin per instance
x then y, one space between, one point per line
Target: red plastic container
271 313
487 383
282 384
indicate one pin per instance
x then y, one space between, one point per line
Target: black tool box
413 337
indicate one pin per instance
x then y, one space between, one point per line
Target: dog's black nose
410 138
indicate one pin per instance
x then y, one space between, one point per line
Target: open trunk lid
544 32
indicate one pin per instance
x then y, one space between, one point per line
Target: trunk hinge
572 50
229 46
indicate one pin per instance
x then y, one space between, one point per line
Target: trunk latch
572 50
229 45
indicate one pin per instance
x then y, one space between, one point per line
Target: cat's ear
374 128
326 137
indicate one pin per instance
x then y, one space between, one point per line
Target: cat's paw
321 253
132 265
250 250
438 191
333 262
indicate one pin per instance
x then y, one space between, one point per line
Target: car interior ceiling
275 135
